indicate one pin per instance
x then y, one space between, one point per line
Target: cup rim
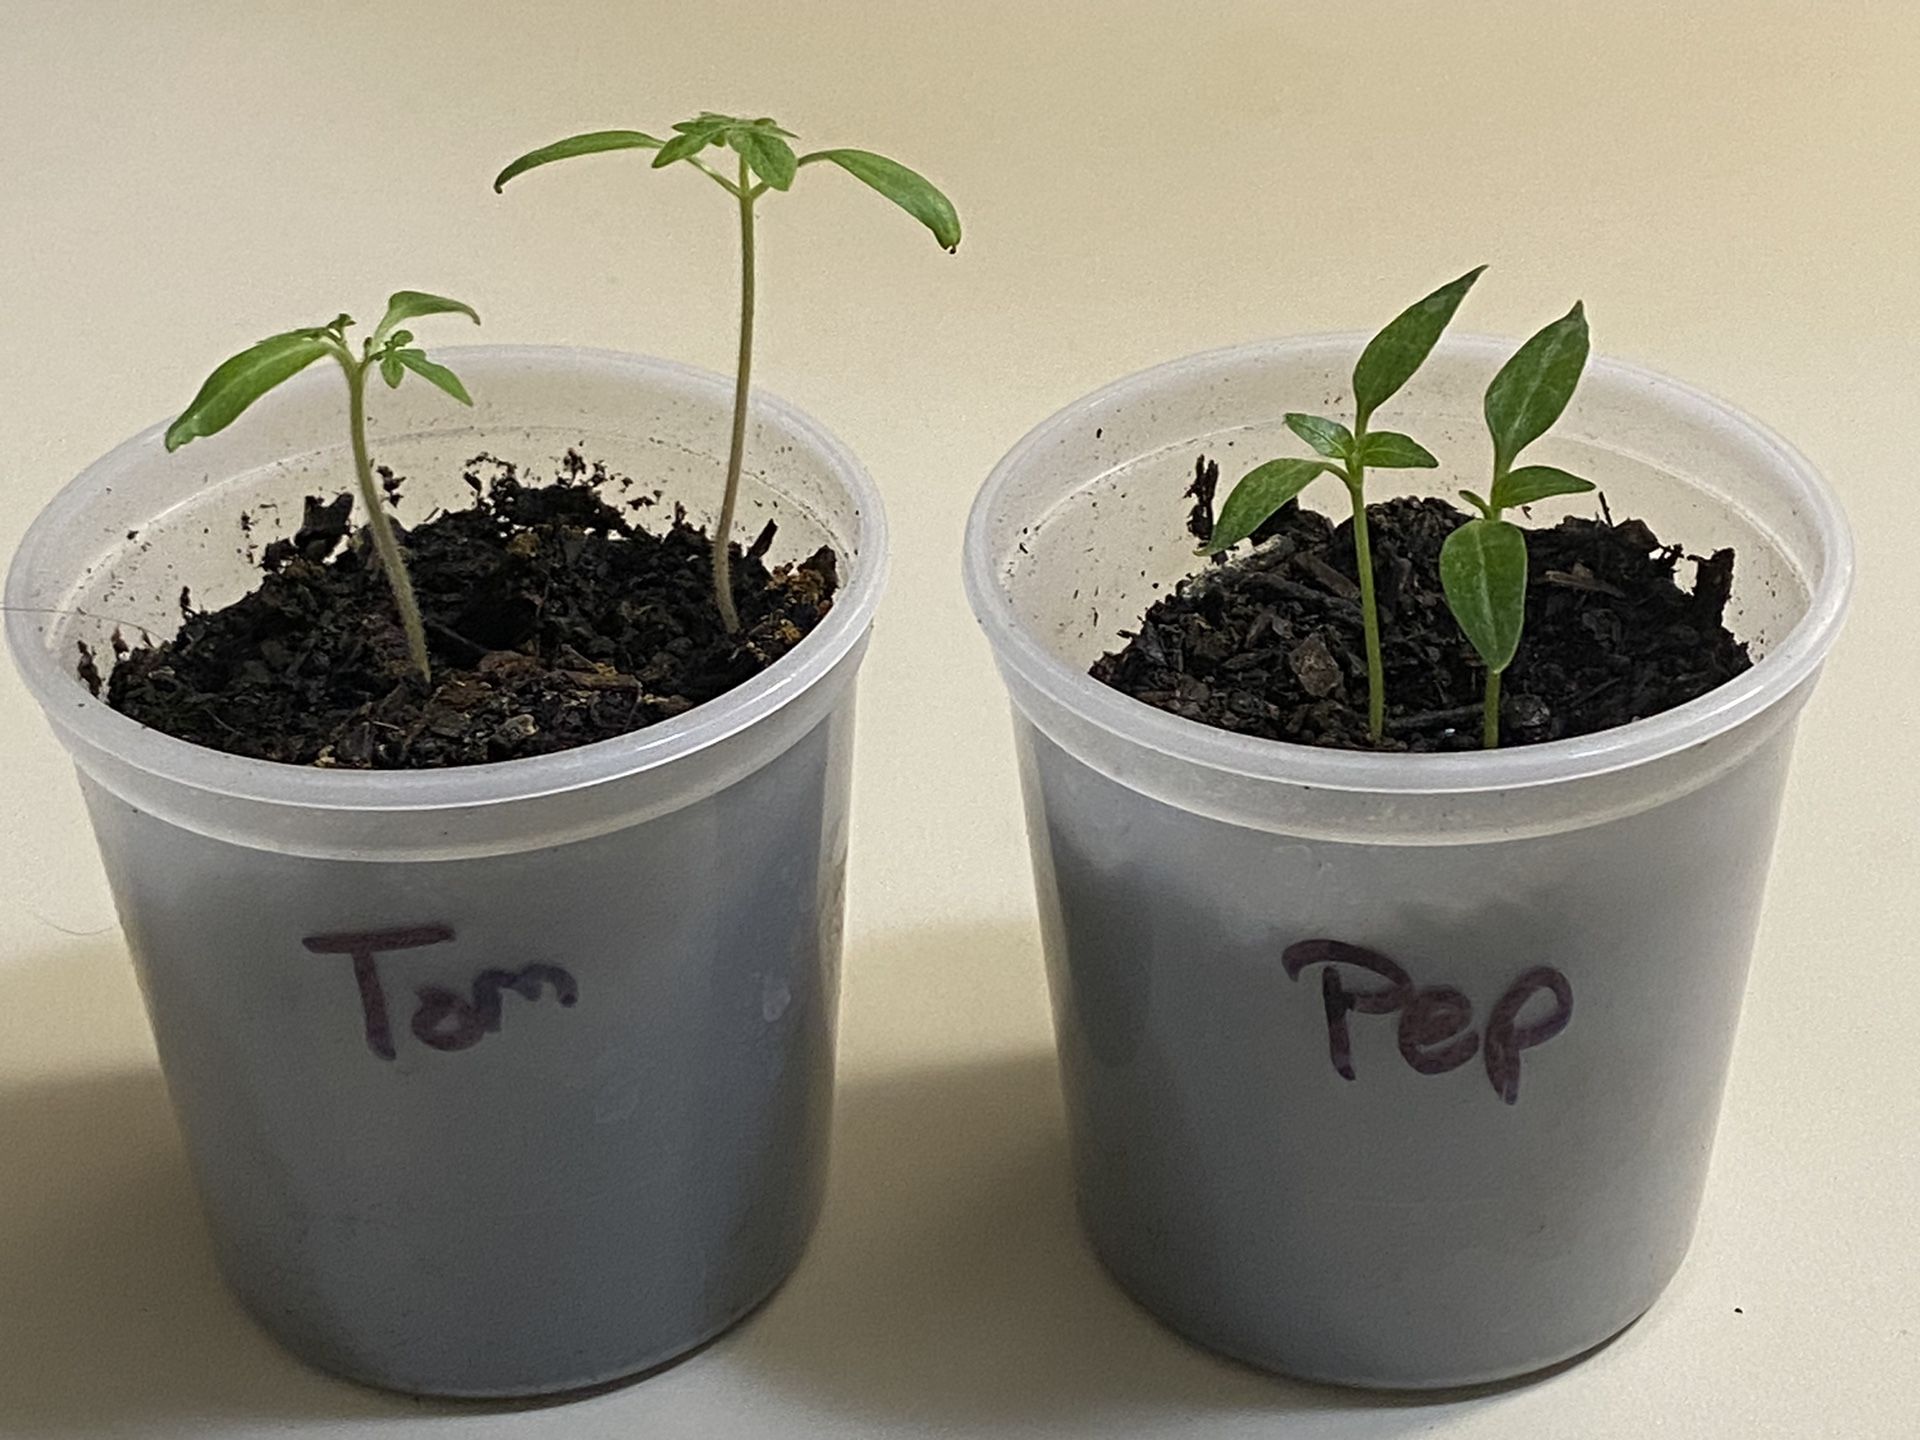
1772 677
87 723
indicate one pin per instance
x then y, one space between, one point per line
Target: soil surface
1271 644
554 620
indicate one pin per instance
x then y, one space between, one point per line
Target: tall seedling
1483 564
763 161
1388 362
254 371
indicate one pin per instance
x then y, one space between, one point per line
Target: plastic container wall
1389 1069
495 1080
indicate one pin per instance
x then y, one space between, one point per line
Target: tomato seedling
763 161
240 381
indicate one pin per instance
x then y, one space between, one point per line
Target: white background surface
1730 187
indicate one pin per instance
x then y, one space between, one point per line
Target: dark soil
1271 644
553 620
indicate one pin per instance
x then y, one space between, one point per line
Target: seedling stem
742 383
386 544
1369 610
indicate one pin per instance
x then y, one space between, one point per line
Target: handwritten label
443 1019
1436 1032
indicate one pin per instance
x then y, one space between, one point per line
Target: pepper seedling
1388 362
1483 564
765 161
240 381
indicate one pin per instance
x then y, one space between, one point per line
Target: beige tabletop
1733 188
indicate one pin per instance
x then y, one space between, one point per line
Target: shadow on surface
949 1285
112 1318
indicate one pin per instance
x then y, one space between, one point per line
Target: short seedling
253 372
765 161
1388 362
1483 564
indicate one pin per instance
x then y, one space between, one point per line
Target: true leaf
1535 482
405 305
416 361
240 381
1403 345
1533 388
771 158
1483 569
711 128
1329 437
390 370
593 143
1390 450
908 189
1478 502
1261 491
685 145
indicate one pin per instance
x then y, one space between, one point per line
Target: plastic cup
1394 1070
505 1079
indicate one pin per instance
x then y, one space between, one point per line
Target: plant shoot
240 381
1388 362
763 160
1483 564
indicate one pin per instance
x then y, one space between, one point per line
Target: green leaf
240 381
1329 437
593 143
908 189
771 158
1390 450
706 122
405 305
687 144
1535 482
390 370
1533 388
1261 491
1477 502
1483 569
416 361
1402 347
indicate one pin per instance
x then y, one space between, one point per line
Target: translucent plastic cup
1383 1069
498 1080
